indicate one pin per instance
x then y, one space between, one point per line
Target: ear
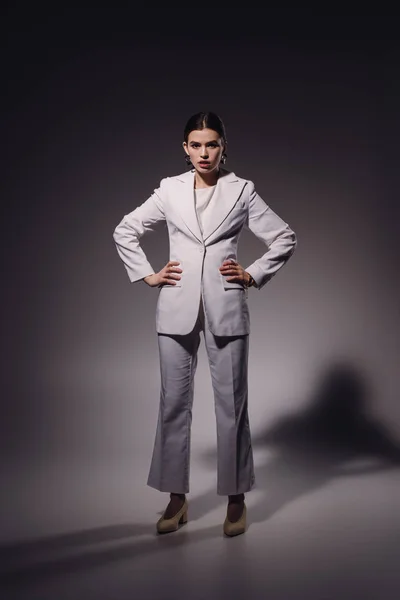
184 144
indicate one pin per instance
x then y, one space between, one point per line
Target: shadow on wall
333 436
326 440
334 428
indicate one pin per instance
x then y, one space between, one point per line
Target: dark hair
205 120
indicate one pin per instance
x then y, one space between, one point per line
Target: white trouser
228 361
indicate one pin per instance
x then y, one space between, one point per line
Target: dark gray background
92 119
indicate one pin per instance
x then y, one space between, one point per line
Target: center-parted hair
205 120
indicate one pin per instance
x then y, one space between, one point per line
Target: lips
203 163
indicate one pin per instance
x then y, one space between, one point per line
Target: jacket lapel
185 205
226 194
227 191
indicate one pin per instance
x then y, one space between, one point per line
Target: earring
223 158
187 159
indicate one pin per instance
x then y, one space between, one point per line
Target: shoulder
170 182
235 178
181 177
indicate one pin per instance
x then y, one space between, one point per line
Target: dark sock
235 507
175 504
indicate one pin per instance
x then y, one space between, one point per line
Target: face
205 148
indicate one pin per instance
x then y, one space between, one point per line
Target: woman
204 288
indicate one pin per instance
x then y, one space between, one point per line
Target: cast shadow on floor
306 451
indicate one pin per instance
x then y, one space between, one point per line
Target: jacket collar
224 174
227 192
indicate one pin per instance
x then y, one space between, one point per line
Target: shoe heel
183 518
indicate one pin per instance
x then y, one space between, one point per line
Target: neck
205 179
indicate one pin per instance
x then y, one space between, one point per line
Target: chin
209 170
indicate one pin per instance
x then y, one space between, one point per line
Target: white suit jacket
235 205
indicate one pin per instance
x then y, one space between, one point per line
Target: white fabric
202 198
228 362
235 205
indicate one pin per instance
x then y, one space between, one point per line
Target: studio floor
88 532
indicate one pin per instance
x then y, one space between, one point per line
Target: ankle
180 496
236 498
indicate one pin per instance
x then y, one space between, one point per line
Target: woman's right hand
168 274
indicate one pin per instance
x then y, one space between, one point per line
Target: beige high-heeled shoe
237 527
172 524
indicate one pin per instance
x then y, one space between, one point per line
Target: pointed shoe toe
237 527
172 524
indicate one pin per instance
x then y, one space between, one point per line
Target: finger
173 262
229 261
172 273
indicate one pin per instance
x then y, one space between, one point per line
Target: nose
204 153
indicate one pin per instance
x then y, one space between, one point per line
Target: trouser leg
170 463
228 360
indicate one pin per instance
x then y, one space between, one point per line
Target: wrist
250 281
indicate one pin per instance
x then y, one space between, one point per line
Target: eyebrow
210 142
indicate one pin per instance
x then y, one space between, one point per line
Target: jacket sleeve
132 227
279 238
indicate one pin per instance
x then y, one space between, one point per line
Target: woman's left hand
235 272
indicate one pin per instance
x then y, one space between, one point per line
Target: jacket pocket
178 284
229 285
